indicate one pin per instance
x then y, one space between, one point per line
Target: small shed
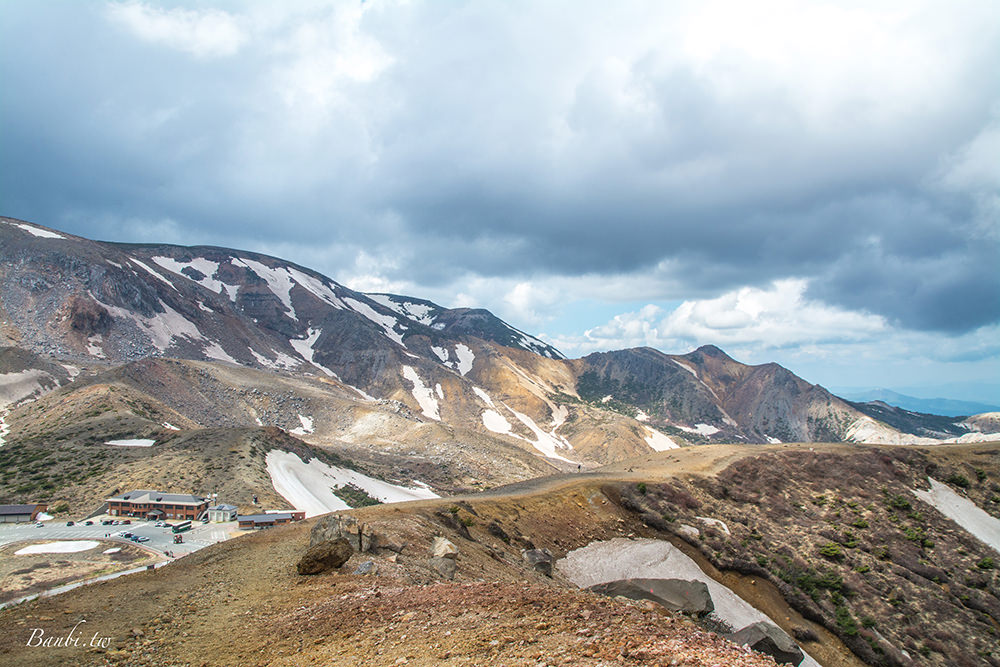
222 512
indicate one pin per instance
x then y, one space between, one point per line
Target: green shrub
956 479
642 488
986 564
846 622
832 551
860 523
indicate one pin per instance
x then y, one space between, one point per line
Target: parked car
39 524
106 522
158 524
116 523
127 522
89 523
126 535
69 523
142 538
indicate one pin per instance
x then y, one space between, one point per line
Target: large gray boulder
539 559
325 556
688 597
768 638
335 526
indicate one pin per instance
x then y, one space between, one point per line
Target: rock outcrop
325 556
768 638
539 559
443 556
688 597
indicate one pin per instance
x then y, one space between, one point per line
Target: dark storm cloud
504 140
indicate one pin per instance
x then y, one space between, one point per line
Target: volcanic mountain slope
88 303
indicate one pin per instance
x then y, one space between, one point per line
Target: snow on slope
866 429
152 272
423 394
203 266
139 442
305 348
387 322
496 422
621 558
279 281
658 441
962 511
546 443
418 312
306 428
465 358
16 386
35 231
4 428
309 486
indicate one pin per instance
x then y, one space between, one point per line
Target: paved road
160 539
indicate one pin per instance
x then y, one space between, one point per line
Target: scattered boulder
688 597
335 526
444 566
539 559
325 556
769 639
368 567
443 548
443 555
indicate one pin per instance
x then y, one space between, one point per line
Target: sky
812 183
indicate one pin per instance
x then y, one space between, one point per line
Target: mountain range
208 337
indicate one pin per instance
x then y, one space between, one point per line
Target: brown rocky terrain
242 602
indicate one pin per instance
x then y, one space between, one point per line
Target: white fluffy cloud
205 33
776 317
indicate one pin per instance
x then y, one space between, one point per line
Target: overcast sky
816 184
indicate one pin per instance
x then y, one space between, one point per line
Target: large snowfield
309 486
621 558
964 512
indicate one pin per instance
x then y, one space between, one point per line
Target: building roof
223 508
17 509
149 496
265 518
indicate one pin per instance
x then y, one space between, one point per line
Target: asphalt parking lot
161 540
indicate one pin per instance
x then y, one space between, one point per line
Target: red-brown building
157 505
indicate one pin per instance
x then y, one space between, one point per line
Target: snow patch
441 353
40 233
418 312
546 443
306 428
387 322
94 346
17 386
700 429
773 441
465 358
170 427
309 486
152 272
607 398
4 428
112 550
496 422
484 396
140 442
688 368
63 547
206 267
213 350
439 391
317 288
658 441
866 429
423 395
305 348
718 523
962 511
641 416
279 281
